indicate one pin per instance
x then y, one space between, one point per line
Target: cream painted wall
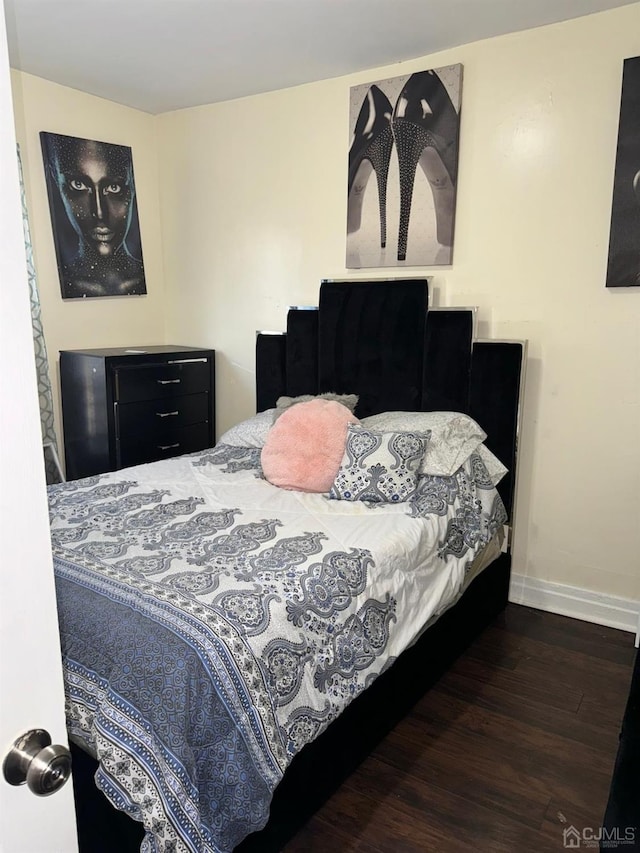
107 321
254 210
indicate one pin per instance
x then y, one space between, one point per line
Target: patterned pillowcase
249 433
381 467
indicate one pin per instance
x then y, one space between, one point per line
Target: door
31 692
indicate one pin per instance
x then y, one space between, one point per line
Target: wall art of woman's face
94 215
95 181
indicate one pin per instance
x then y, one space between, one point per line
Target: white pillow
454 436
249 433
494 466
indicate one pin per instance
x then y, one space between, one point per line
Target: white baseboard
611 610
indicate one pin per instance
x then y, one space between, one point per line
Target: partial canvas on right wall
624 242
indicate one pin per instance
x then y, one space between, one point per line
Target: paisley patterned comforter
213 624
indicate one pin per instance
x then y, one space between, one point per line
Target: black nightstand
123 407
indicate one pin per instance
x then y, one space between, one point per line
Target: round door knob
32 759
49 770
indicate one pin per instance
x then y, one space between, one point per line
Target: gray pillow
284 403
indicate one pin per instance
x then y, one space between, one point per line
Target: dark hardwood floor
515 743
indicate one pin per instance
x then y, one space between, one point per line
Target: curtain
49 441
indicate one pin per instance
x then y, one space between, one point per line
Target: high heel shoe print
425 129
370 151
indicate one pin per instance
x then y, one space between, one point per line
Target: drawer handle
167 414
168 446
168 381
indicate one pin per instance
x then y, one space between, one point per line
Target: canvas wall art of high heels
403 169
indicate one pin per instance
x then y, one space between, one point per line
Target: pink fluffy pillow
305 446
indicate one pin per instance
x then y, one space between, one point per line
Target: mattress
212 624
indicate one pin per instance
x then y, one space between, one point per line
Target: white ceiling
160 55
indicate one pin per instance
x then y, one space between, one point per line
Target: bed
221 636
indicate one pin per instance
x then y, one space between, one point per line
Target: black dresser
123 407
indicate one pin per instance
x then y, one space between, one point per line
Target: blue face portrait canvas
94 216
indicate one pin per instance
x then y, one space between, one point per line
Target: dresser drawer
155 381
137 449
155 417
125 406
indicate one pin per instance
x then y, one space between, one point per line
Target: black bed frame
380 340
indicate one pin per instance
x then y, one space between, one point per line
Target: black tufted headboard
380 340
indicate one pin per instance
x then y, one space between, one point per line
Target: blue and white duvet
212 624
